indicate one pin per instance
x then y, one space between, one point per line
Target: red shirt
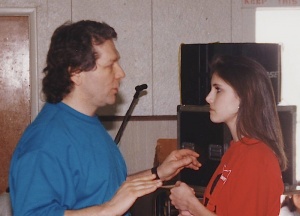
248 181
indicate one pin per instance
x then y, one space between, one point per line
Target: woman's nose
208 98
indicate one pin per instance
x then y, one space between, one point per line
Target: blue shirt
64 160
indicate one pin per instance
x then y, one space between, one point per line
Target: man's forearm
139 174
99 210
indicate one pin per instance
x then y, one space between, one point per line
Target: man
66 163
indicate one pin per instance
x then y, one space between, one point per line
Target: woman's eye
218 89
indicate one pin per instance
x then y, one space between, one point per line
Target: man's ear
75 76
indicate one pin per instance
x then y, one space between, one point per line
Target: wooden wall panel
14 87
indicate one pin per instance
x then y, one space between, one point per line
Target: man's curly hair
72 51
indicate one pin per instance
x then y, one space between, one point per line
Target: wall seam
152 62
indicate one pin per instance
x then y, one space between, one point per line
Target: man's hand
124 198
130 191
176 161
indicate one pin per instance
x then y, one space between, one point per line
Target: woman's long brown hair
257 115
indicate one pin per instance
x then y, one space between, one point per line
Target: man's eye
109 66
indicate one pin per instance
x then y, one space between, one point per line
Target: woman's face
296 199
223 101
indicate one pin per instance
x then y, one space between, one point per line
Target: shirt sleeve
39 185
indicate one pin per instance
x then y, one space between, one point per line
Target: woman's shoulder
255 151
284 211
257 147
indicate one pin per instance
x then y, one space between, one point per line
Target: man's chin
111 101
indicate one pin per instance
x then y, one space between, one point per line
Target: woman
248 180
290 205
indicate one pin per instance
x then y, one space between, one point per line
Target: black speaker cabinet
195 60
288 120
211 140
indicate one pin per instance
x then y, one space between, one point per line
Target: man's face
100 85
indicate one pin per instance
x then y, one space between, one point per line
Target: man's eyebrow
115 58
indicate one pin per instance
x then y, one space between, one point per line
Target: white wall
149 35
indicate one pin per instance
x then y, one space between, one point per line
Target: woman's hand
181 195
183 198
184 213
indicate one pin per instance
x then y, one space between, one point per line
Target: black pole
129 111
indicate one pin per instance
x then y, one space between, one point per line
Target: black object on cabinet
211 140
195 60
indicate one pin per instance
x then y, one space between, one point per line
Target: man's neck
79 105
